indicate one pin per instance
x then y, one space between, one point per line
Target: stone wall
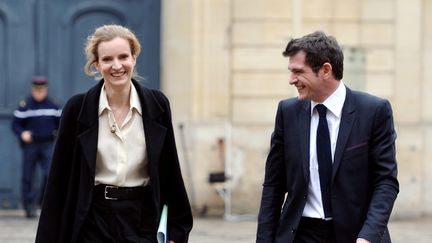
223 71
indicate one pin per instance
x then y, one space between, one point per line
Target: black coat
68 194
364 185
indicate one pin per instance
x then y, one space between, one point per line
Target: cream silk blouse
121 151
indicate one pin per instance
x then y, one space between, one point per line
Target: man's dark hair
319 49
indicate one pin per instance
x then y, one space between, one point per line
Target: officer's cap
39 81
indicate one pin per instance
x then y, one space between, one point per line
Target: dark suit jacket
364 184
70 185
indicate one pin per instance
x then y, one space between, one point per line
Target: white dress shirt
334 104
121 150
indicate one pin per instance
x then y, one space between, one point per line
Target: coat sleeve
51 220
172 186
19 121
274 185
385 186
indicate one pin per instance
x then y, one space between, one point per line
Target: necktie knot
322 110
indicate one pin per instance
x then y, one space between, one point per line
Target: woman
115 161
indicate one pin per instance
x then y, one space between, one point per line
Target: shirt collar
335 101
103 101
134 100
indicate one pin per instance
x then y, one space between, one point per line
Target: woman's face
116 62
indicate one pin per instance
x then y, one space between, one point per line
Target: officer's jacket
40 118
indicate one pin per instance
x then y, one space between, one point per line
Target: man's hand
170 241
360 240
26 136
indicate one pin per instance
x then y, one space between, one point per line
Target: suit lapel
304 124
346 124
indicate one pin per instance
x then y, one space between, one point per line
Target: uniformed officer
35 122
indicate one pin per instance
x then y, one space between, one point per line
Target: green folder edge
162 229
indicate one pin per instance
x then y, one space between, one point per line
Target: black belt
109 192
323 223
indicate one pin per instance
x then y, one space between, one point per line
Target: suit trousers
34 154
311 230
120 221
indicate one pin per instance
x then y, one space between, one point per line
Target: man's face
310 85
39 93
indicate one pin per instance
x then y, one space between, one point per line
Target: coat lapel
155 137
88 121
346 124
154 131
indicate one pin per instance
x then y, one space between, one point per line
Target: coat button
305 196
293 230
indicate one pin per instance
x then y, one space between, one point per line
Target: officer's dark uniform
42 120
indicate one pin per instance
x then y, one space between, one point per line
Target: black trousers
311 230
120 221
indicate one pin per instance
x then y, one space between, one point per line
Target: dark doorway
46 37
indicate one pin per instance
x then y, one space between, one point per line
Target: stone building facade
223 71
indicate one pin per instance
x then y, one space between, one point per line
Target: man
35 123
331 171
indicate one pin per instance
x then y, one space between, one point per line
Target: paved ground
14 228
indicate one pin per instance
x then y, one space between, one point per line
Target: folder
162 234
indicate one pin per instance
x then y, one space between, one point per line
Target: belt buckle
106 192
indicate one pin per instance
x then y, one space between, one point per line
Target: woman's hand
170 241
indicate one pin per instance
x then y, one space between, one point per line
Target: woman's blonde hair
107 33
